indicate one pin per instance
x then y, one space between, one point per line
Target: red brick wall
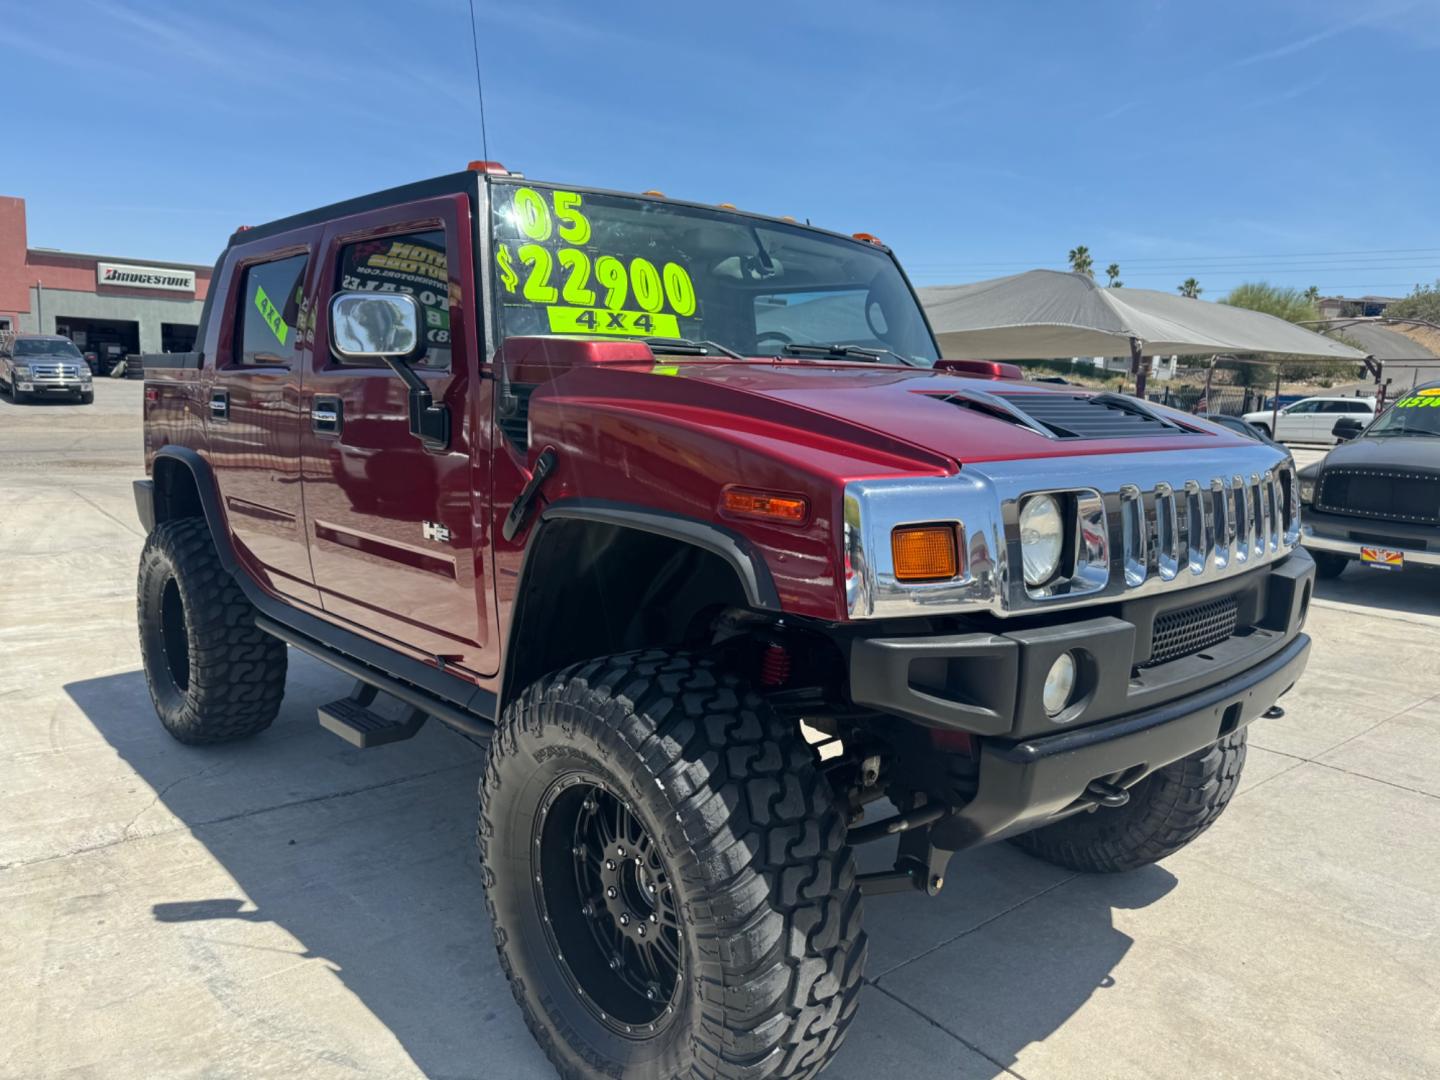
14 280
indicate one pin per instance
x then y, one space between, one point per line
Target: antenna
479 86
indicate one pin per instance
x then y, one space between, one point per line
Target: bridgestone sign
144 277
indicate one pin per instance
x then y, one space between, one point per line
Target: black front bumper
1025 784
1128 719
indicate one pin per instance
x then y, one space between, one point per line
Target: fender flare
731 546
735 550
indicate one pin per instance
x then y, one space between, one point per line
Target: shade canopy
1042 314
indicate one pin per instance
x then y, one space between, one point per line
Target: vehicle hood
1388 451
938 411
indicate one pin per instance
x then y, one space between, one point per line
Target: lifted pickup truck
1375 499
677 509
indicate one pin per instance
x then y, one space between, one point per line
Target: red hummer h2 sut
677 509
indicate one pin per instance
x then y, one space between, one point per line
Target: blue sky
1286 140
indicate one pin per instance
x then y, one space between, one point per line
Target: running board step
351 719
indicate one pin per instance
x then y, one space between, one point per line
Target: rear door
251 403
394 539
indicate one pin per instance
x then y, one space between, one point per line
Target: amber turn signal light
924 552
765 505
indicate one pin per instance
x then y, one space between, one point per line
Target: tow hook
520 508
1107 794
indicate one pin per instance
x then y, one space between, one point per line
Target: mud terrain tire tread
1167 810
772 904
236 671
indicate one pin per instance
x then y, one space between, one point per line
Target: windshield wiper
689 347
842 352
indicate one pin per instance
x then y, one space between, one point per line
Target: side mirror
386 327
1347 428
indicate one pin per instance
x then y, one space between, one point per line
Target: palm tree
1191 288
1113 273
1080 261
1313 294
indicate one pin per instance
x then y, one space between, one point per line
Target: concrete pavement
292 907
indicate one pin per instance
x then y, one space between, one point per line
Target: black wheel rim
174 636
608 906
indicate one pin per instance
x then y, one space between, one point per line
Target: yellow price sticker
271 314
578 320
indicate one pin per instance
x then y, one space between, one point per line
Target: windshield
1417 413
572 262
34 347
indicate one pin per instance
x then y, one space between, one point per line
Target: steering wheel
768 335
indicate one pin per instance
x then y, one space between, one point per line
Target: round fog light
1059 684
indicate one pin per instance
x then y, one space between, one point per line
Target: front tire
87 397
1167 810
739 854
213 676
1328 564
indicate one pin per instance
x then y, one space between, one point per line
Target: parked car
1311 420
568 471
44 365
1239 426
1375 499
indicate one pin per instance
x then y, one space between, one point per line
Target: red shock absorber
774 666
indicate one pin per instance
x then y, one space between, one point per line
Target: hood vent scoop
1093 416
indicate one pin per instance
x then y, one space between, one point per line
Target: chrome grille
54 371
1206 528
1380 494
1181 633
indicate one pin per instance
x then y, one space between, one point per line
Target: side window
1357 406
267 326
1303 407
414 263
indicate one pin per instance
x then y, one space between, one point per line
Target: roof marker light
657 194
490 168
868 238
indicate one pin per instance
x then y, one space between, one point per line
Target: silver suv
36 365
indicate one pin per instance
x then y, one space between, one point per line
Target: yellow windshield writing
585 291
575 320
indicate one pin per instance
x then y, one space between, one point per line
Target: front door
1297 423
393 526
256 349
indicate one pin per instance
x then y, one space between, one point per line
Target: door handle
219 405
327 415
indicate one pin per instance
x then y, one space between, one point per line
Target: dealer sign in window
144 277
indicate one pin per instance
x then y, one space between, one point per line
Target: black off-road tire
1328 564
213 676
753 842
87 397
1167 810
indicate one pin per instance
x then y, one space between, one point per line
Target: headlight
22 370
1307 491
1042 538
